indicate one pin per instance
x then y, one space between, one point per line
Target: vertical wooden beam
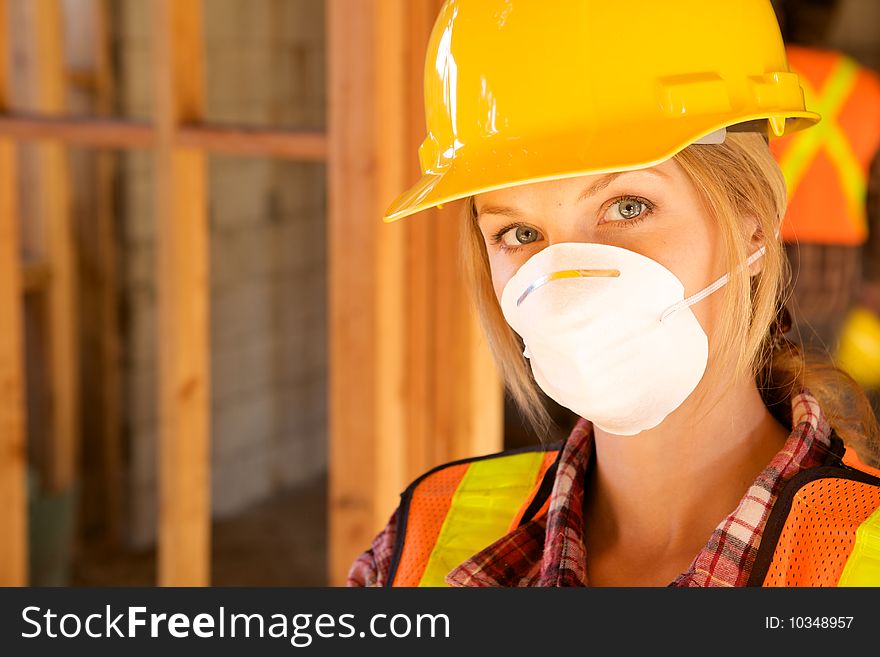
60 250
420 391
389 311
352 206
481 426
110 376
184 288
13 458
411 382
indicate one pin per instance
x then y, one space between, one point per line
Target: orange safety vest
455 510
824 529
827 167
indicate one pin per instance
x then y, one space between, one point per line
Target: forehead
574 189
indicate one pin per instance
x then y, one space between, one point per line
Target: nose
577 232
567 273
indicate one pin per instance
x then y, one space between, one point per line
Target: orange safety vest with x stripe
826 168
824 529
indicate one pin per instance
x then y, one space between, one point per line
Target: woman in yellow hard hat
621 220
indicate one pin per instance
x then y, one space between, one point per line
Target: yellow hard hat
858 350
520 91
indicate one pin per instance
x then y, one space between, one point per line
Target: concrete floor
279 542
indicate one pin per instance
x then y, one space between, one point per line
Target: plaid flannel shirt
549 550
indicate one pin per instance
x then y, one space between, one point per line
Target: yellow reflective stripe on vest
806 145
483 506
863 565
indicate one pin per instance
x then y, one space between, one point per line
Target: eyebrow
590 191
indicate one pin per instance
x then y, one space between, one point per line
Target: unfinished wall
265 66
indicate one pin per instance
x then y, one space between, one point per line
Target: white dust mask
609 333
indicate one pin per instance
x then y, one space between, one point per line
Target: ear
756 241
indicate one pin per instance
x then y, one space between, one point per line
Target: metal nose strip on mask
568 273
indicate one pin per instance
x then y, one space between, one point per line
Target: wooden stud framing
60 251
411 381
107 133
423 449
352 207
110 377
13 458
303 145
389 310
184 289
296 145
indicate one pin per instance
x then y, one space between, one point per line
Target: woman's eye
519 236
626 209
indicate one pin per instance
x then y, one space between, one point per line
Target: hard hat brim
497 163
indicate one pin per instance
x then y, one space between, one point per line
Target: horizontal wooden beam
108 133
292 145
118 133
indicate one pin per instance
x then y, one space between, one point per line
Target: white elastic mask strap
714 287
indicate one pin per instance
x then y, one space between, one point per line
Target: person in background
831 229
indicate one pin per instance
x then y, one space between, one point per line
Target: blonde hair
736 179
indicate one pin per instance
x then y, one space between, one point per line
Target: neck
666 488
